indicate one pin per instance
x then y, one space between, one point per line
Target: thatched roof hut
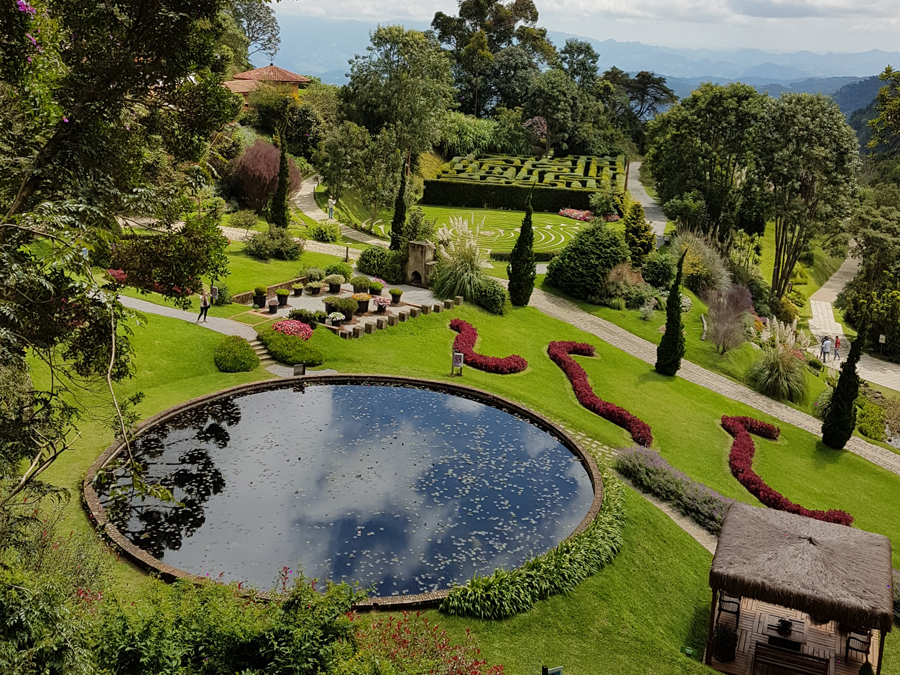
826 570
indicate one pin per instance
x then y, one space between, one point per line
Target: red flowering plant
293 327
585 216
559 353
741 462
420 646
465 343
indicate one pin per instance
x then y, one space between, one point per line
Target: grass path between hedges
634 616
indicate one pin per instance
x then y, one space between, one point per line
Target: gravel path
305 200
652 209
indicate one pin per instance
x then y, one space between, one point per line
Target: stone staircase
265 358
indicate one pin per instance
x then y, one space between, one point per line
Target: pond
404 490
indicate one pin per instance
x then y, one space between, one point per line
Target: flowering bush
559 353
417 645
651 473
465 343
382 301
336 316
361 297
293 327
741 462
585 216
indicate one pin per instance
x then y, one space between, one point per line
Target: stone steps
265 358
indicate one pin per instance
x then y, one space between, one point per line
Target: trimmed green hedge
471 194
235 355
492 296
290 349
382 263
539 256
507 593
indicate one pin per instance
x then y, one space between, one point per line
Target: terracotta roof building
244 83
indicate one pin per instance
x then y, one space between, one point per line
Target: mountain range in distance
322 47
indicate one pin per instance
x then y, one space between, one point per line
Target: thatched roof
828 571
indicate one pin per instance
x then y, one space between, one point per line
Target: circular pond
402 489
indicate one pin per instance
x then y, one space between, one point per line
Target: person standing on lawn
204 306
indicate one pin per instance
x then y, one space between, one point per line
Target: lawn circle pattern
465 343
168 572
741 462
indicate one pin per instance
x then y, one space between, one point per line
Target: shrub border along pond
740 459
465 343
560 354
97 513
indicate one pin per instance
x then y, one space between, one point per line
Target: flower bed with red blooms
293 327
741 462
560 355
584 216
465 343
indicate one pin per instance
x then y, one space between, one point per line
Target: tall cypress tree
521 268
840 417
399 220
671 348
278 209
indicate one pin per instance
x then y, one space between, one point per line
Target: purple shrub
651 473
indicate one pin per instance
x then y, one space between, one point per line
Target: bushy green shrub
659 270
382 263
282 292
244 220
582 268
507 593
491 296
223 297
289 349
235 355
633 296
617 303
704 269
342 268
260 290
315 274
329 233
332 279
310 318
779 374
276 243
870 420
360 281
639 235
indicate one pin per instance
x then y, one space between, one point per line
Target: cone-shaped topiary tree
521 268
840 417
671 348
279 215
639 234
398 222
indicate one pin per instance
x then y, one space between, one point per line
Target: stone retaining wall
247 298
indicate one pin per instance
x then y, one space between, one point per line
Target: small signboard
458 360
551 671
881 339
214 292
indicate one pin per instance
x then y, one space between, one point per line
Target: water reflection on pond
404 490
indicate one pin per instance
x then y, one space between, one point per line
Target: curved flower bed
560 355
741 462
293 327
465 343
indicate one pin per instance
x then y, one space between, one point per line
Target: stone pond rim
97 513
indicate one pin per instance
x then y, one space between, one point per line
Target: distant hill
856 95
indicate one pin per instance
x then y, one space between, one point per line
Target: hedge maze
502 182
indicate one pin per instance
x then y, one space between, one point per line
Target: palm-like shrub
780 371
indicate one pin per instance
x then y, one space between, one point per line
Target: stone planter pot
282 300
334 289
395 300
273 309
259 300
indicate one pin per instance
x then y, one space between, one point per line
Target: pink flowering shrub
382 301
293 327
741 462
465 343
559 353
585 216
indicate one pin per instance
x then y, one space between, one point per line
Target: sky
775 25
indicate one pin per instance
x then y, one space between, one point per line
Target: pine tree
399 220
639 234
279 215
521 268
840 417
671 347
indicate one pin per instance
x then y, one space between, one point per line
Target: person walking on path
837 347
826 349
204 306
331 203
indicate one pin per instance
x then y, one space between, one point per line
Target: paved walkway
305 200
564 310
652 210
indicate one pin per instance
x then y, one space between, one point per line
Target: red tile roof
273 74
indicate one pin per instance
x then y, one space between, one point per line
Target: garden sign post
457 365
551 671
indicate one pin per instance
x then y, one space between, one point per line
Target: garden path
305 200
564 310
236 234
823 323
652 210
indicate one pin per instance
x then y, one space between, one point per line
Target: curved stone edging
97 513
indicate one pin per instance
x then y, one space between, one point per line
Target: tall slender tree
279 214
398 222
671 348
521 268
639 234
840 417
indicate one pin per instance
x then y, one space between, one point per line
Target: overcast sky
777 25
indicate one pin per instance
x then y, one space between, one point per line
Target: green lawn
635 615
245 272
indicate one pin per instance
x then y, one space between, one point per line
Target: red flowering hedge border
465 343
560 354
741 462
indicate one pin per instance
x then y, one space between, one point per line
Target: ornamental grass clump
506 593
459 271
780 371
